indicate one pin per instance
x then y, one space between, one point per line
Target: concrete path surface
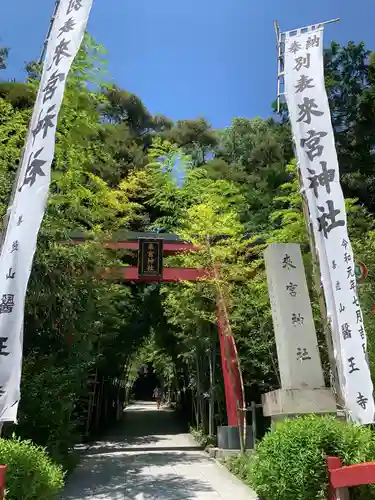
151 458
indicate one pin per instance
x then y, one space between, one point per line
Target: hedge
290 462
31 473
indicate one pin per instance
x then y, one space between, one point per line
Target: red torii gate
234 396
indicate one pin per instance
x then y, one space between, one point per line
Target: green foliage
20 95
152 351
4 53
118 168
195 137
350 84
206 211
75 322
290 462
254 153
202 438
351 91
31 474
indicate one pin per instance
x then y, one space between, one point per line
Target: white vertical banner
316 153
29 204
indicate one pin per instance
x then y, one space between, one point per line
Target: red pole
3 471
233 397
333 463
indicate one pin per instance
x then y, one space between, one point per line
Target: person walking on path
157 395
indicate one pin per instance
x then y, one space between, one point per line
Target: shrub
289 463
31 473
203 439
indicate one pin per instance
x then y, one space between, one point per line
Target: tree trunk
195 410
118 406
200 407
211 401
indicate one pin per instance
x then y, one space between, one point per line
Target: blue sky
190 58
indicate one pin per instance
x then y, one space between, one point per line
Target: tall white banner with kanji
29 203
316 154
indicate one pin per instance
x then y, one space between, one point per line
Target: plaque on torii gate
150 258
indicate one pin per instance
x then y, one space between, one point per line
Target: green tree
75 321
206 212
195 137
4 53
254 154
351 91
350 84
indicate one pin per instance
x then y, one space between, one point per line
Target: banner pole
327 326
57 4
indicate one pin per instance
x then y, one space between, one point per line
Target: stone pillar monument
302 382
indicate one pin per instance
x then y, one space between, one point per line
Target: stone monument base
284 403
228 437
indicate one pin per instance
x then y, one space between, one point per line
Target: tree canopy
230 192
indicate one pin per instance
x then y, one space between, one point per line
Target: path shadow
111 448
141 427
144 476
141 459
145 419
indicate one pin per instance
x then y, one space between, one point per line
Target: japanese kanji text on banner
315 148
29 203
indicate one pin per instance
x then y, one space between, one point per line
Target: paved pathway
149 458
